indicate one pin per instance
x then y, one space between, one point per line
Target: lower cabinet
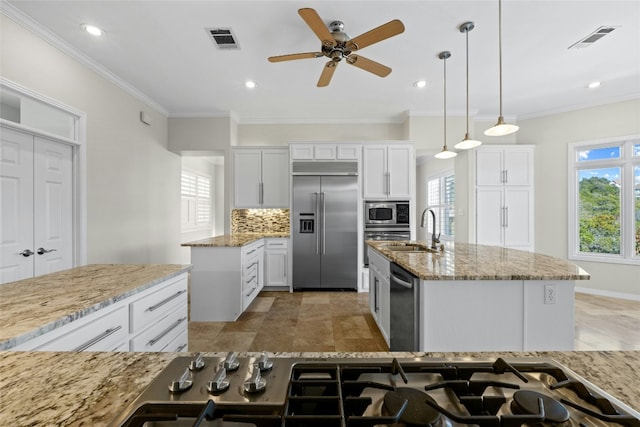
379 292
276 262
152 320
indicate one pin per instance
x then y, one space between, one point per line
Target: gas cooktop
354 392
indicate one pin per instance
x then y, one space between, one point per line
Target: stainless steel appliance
385 220
325 224
361 392
386 213
404 302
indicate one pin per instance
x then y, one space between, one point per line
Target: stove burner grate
417 413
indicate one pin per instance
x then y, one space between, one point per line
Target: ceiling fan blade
384 31
293 56
369 65
316 24
327 73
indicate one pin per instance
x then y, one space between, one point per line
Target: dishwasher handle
399 281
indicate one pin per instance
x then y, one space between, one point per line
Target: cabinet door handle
42 251
376 291
162 334
166 300
97 339
252 291
179 349
506 216
388 183
26 253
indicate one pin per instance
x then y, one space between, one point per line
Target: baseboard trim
611 294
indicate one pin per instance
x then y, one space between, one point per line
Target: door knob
42 251
26 253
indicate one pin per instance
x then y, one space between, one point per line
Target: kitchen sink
410 248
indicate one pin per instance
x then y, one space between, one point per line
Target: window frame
627 162
441 176
196 198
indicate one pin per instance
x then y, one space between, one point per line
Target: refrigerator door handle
317 196
323 222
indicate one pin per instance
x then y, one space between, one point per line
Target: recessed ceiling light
420 84
250 84
92 29
593 85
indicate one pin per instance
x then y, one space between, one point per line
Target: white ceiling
161 49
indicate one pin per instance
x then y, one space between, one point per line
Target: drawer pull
252 291
97 339
166 300
179 349
162 334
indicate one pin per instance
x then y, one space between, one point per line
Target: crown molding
36 28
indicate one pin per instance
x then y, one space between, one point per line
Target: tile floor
340 321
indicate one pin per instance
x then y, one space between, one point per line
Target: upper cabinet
261 177
504 165
324 151
388 171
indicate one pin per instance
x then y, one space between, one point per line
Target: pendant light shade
467 143
445 153
500 128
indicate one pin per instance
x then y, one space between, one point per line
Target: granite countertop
31 307
92 388
234 240
466 261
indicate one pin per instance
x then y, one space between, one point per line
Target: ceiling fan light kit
500 128
445 153
337 45
467 143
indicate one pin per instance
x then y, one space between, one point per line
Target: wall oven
385 220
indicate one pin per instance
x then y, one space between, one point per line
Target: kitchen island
477 297
53 311
228 273
73 389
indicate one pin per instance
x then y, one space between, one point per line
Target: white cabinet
151 320
261 178
380 292
388 171
505 197
276 262
252 271
324 151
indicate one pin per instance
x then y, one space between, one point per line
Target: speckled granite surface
31 307
90 389
260 221
233 240
464 261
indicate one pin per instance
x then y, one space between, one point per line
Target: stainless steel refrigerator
325 241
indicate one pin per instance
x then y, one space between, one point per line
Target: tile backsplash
260 221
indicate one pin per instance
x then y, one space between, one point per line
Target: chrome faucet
434 240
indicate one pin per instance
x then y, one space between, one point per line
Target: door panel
489 216
16 222
306 245
339 235
53 203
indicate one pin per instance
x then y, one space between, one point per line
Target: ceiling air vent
223 38
592 38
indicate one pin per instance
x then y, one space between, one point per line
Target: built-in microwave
389 212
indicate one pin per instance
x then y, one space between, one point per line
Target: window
604 202
441 197
196 201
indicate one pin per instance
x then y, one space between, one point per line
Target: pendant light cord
500 49
445 101
467 34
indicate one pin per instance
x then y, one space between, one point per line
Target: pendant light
501 128
445 153
467 142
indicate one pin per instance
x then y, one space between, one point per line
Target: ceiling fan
337 45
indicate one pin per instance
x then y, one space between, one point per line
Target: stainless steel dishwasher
405 310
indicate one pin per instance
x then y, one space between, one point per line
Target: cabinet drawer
106 333
277 244
156 305
249 294
158 335
178 344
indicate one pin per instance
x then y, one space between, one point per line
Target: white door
489 216
37 206
518 164
275 179
247 176
53 206
400 164
16 222
518 221
489 168
375 172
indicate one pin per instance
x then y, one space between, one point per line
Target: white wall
133 188
551 135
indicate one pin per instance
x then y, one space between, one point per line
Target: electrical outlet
549 294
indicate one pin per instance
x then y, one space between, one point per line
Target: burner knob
256 383
264 364
181 384
197 364
231 363
219 382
